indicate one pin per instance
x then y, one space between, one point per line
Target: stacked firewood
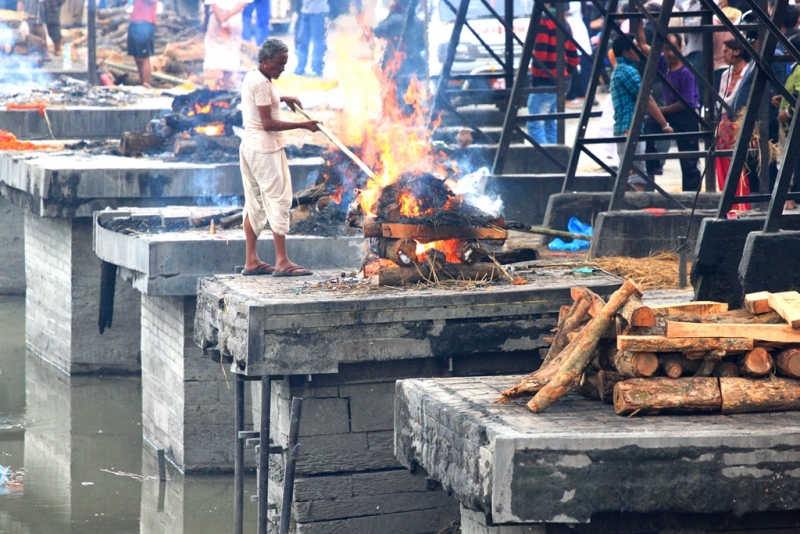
685 358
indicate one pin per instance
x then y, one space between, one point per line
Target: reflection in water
78 440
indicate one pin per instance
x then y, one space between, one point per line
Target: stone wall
12 249
62 299
187 401
348 479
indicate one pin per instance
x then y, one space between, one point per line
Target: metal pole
238 457
91 58
291 461
263 455
710 105
561 82
508 18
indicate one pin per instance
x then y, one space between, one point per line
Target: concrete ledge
587 206
718 253
83 122
770 262
75 185
579 458
638 234
169 263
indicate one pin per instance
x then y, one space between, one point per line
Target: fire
447 246
216 128
393 131
8 141
409 206
337 196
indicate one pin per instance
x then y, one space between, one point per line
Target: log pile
696 357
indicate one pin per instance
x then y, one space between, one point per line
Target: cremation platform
59 192
579 459
169 262
83 122
187 400
342 347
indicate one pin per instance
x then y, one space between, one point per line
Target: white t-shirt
258 90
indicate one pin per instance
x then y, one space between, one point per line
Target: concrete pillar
12 249
62 299
187 399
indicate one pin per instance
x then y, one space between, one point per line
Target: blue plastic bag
574 226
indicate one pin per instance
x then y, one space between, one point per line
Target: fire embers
423 231
205 112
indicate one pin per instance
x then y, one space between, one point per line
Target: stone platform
83 122
59 193
342 349
579 459
186 399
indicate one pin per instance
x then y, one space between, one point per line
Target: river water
73 460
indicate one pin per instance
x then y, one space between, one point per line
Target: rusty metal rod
341 146
238 457
263 455
291 462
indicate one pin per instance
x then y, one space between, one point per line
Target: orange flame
395 134
337 196
447 246
216 128
409 206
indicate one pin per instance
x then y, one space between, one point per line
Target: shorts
141 39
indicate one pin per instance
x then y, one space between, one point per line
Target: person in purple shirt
681 117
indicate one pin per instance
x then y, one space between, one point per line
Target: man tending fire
265 169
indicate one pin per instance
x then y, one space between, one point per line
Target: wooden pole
341 146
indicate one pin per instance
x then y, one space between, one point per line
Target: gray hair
271 49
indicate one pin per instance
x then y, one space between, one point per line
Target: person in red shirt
540 103
142 36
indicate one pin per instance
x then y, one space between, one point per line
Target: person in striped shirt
539 103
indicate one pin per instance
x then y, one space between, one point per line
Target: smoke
205 191
473 187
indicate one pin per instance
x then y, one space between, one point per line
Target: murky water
72 453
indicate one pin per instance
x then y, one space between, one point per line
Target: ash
67 91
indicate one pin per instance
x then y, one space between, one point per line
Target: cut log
232 220
637 314
744 395
206 219
606 380
667 395
577 313
573 367
401 251
787 304
437 233
787 363
689 308
733 317
133 143
597 303
677 365
636 364
470 252
562 313
709 364
761 332
308 196
757 302
588 386
685 344
757 363
387 273
372 227
726 369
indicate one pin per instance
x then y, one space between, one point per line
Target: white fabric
258 90
223 44
267 189
579 31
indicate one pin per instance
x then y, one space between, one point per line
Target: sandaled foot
261 270
294 270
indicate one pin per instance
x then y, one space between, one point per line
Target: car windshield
477 9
